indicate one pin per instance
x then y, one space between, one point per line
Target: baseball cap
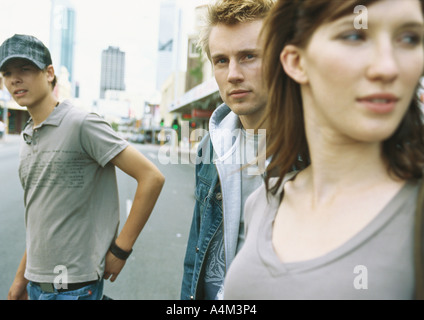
25 47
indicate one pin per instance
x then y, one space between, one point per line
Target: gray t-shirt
70 195
376 263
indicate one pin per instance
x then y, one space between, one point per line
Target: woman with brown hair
343 108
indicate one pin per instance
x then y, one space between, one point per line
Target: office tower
167 41
62 36
113 70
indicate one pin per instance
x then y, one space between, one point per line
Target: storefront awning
12 105
7 101
199 92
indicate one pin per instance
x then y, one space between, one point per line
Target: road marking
129 205
152 155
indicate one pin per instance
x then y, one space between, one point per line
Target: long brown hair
294 22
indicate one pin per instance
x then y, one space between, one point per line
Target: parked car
124 135
138 138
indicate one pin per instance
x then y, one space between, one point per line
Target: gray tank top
376 263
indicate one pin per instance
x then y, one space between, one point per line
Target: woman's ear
291 60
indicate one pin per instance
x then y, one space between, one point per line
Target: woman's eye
352 36
411 38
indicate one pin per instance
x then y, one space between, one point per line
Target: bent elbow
152 179
157 179
160 178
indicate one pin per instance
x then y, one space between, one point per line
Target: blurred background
136 63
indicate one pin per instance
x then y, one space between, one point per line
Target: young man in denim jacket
223 183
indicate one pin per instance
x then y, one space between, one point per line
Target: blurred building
190 93
112 75
167 43
63 89
62 36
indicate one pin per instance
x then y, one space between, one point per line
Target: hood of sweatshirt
225 131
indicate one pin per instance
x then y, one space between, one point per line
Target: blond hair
231 12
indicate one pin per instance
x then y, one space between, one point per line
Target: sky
131 25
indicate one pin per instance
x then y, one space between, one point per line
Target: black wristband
118 252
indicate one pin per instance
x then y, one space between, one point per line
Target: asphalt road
154 270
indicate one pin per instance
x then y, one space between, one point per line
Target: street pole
4 98
5 119
5 123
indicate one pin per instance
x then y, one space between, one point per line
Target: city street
154 270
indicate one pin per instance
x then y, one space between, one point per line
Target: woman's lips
381 103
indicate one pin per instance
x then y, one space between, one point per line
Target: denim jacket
218 200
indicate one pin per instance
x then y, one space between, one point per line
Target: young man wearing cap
67 169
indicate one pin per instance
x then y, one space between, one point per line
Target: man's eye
220 61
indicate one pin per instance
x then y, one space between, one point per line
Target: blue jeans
90 292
